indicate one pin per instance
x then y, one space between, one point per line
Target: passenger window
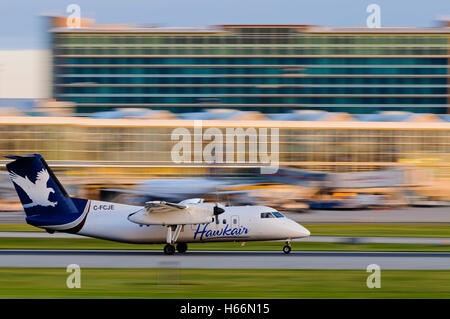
224 221
235 221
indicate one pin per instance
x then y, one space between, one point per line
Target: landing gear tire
169 249
182 247
287 249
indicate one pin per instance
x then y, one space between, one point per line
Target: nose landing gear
287 248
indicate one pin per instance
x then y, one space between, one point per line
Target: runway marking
224 259
220 252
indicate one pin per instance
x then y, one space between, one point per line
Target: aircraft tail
44 199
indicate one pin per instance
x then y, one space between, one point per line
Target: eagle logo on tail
38 192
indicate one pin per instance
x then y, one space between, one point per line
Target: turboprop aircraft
48 206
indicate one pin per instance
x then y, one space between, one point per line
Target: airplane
47 205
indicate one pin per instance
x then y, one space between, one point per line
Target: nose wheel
287 248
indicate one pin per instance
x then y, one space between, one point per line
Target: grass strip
221 283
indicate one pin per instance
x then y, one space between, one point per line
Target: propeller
217 211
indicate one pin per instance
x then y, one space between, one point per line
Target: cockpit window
278 214
267 215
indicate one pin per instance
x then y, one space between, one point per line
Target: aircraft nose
298 230
305 232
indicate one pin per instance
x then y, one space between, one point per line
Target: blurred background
360 93
363 113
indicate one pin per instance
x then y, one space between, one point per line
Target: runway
312 239
225 259
12 218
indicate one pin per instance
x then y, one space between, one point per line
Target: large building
139 148
269 68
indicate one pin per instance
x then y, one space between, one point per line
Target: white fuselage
239 223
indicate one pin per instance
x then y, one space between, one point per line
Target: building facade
269 68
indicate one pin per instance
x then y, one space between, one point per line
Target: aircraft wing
163 207
165 213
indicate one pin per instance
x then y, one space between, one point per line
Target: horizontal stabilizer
21 156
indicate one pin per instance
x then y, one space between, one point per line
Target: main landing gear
172 235
181 247
170 249
287 249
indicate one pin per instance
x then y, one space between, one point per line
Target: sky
22 25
